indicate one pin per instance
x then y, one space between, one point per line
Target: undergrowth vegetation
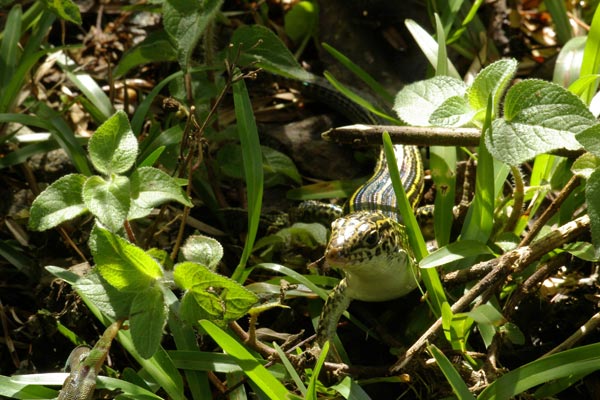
161 213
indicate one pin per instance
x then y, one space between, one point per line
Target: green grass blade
290 369
580 361
251 367
452 376
430 276
9 55
358 99
562 26
88 86
479 220
442 56
591 57
16 390
443 165
360 73
460 388
311 392
253 167
428 46
63 134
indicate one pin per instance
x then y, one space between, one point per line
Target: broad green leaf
151 187
156 47
277 166
60 202
585 165
147 320
455 251
455 111
160 367
65 9
261 47
112 302
272 388
487 314
113 147
220 298
590 139
592 196
416 102
491 81
186 21
582 250
123 265
579 361
301 20
202 250
538 117
109 201
460 388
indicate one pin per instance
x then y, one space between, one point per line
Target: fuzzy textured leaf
453 112
60 202
590 139
538 117
185 21
585 165
592 196
416 102
109 201
202 250
123 265
261 47
113 147
65 9
219 299
147 320
151 187
493 81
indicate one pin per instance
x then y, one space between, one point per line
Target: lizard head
374 254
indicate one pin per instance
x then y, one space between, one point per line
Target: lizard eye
372 238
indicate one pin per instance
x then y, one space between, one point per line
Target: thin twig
361 134
501 267
549 212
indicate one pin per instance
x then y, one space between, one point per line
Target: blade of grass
591 57
580 361
311 391
251 367
86 84
452 376
430 276
359 100
290 369
253 167
360 73
428 46
9 54
63 134
562 26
